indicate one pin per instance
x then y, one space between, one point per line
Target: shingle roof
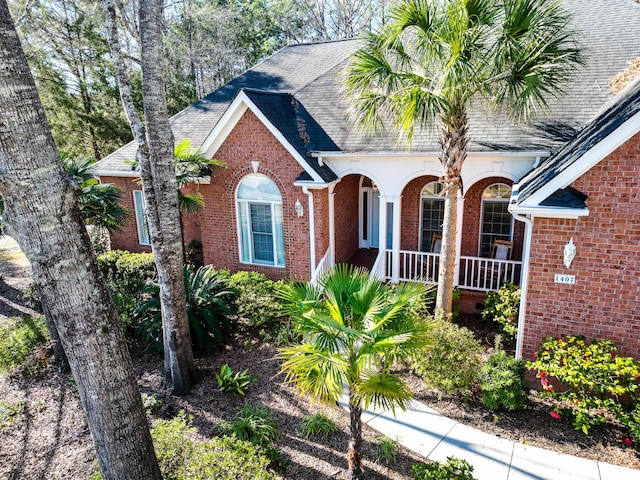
300 129
624 106
311 73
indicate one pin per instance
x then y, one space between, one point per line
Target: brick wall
604 302
251 141
346 221
411 205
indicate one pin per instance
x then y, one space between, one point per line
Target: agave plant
209 309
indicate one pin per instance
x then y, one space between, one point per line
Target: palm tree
354 328
436 57
99 202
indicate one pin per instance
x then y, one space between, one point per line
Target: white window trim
140 198
481 222
244 204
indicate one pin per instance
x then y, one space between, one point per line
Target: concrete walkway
437 437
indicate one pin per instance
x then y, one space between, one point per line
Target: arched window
432 212
497 222
260 227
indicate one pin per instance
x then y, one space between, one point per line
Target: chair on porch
502 250
436 243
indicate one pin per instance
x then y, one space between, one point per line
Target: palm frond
383 390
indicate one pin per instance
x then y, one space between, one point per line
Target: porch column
459 218
382 235
332 225
395 254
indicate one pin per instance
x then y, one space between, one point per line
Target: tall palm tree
436 57
353 328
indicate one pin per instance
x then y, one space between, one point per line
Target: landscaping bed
44 434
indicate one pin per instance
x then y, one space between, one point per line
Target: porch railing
475 273
324 265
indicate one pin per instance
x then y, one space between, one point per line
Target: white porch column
332 225
382 235
459 218
312 231
395 254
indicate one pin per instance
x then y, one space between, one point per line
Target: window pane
245 233
496 225
262 229
279 235
141 218
432 220
258 187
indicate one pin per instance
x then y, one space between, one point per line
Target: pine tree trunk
453 144
42 205
161 196
354 454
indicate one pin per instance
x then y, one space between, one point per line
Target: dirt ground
50 439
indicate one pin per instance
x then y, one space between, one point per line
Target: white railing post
395 237
460 212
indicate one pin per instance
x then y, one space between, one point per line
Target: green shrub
502 381
452 362
453 469
258 304
253 424
233 383
225 458
9 411
597 378
127 274
502 308
317 425
386 450
209 310
24 346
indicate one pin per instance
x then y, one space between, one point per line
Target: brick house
587 194
304 188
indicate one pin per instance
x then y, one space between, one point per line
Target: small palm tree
99 203
354 328
434 58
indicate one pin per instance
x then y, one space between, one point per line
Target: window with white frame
432 214
260 224
497 222
141 218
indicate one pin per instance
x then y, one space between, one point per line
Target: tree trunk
161 196
59 358
41 202
179 366
354 454
453 144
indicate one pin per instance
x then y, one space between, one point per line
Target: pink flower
555 414
627 441
535 355
542 374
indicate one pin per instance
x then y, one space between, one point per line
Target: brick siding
604 301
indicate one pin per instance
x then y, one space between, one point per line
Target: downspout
312 228
524 283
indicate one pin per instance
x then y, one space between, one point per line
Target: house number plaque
568 279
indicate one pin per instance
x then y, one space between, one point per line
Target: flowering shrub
502 308
597 379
